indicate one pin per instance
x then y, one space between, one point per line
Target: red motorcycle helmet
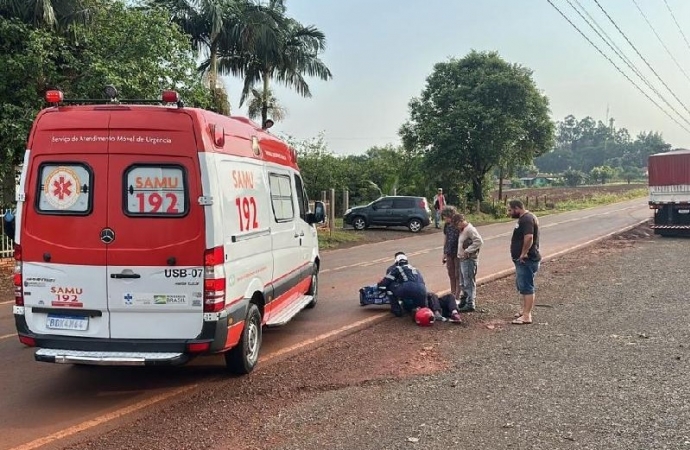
424 317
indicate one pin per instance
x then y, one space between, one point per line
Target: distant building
537 181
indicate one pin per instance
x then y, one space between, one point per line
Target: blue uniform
405 283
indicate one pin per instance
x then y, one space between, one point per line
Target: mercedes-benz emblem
107 235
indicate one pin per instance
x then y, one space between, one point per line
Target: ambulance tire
313 290
242 358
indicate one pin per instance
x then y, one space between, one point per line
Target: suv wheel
358 223
415 225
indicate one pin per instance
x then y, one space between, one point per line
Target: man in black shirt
524 250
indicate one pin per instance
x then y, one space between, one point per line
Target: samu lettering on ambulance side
156 183
242 179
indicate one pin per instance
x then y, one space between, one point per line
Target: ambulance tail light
198 347
17 277
28 341
214 280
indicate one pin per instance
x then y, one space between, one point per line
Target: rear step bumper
110 358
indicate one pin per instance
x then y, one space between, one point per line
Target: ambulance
148 233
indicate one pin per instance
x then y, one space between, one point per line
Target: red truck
669 192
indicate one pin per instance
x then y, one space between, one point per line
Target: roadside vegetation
543 201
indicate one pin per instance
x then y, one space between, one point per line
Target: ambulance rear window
64 189
156 191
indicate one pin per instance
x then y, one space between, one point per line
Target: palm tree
255 106
220 26
53 14
204 21
286 51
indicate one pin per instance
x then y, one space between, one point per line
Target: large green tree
155 57
35 58
478 113
32 59
58 15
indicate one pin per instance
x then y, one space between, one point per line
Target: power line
640 55
622 54
661 41
601 29
614 65
612 45
677 24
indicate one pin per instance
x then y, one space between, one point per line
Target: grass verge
333 239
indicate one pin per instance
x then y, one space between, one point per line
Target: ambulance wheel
415 225
358 223
243 357
313 290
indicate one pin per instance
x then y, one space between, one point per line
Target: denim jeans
468 267
524 276
454 276
437 218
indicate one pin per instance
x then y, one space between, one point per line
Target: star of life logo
62 188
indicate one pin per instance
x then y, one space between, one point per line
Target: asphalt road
39 400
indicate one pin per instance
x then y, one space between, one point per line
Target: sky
381 51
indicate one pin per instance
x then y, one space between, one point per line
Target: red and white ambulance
149 234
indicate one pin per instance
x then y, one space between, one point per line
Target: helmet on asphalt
424 317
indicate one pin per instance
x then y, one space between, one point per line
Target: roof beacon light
110 91
54 96
170 97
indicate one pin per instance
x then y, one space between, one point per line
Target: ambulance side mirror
319 214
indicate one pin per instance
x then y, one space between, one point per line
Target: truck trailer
669 192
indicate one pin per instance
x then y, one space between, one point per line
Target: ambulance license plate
72 323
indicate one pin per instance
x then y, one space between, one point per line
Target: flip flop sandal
521 322
516 315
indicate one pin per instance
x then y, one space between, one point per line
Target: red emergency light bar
56 97
170 97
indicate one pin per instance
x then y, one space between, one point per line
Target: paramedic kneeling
405 284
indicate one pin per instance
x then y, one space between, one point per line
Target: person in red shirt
439 204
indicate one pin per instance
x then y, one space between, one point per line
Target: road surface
41 403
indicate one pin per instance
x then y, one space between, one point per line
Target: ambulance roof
234 135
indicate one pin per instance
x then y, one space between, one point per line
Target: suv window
383 204
64 189
156 190
403 203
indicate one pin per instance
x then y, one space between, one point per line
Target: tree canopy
586 144
142 47
475 114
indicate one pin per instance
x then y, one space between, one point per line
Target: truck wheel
314 289
358 223
415 225
243 357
